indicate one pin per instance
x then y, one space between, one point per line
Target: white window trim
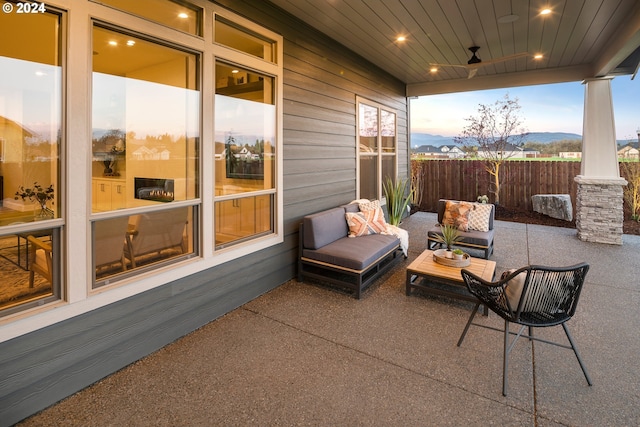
380 154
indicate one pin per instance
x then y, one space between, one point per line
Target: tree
494 132
631 192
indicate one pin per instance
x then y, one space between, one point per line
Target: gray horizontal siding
321 82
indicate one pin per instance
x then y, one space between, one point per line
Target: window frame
380 153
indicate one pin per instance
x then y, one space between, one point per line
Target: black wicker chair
548 297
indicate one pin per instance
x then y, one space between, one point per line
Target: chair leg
505 362
575 350
466 328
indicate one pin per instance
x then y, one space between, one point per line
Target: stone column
599 202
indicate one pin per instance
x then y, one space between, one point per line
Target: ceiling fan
474 63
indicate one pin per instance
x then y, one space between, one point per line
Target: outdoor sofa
474 222
328 254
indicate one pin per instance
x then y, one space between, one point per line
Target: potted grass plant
449 237
399 194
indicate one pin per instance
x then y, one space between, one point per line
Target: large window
140 142
245 123
145 142
376 148
30 140
245 181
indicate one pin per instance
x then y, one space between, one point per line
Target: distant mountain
419 139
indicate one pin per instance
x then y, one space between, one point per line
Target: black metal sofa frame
326 253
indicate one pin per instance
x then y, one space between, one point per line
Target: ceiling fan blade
501 59
449 65
472 73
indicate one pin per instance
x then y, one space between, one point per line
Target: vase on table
42 213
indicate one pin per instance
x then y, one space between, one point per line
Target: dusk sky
545 108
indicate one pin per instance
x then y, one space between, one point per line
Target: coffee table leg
410 279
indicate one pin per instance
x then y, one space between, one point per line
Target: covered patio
304 354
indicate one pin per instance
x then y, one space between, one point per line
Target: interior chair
155 232
532 296
40 259
110 239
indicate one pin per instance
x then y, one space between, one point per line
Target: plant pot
458 256
448 254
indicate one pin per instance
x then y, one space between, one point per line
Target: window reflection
244 153
145 121
134 243
177 14
30 141
236 37
29 269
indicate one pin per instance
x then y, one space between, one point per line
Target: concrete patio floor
305 354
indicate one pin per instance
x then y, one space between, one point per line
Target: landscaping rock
554 205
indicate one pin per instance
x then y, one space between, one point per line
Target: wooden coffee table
432 278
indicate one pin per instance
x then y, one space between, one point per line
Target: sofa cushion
365 223
457 214
324 227
355 254
471 237
479 216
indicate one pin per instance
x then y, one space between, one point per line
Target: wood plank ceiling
578 39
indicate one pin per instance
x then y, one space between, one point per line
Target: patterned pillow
457 214
369 205
365 223
479 216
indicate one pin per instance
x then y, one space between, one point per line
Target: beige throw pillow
479 216
513 288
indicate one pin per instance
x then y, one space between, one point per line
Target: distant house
628 152
509 151
442 152
570 154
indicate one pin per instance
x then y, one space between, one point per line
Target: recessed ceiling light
113 43
130 42
537 56
545 11
434 69
183 15
506 19
235 71
401 38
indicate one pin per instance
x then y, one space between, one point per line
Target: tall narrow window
31 135
376 148
245 122
145 144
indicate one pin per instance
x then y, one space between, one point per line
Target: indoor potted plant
458 254
38 194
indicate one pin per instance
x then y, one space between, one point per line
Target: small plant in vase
449 237
38 194
458 254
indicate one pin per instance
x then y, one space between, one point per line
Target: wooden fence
468 179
